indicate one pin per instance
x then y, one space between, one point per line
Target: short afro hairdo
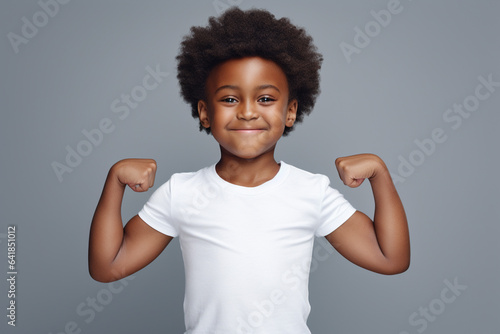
238 34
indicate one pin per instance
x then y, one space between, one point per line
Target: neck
247 172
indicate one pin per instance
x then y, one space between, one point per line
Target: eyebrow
261 87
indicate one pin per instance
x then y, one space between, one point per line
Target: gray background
394 91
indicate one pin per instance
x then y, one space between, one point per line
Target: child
246 224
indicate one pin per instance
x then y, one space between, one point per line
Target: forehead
247 72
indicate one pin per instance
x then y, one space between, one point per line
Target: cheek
277 116
217 116
219 120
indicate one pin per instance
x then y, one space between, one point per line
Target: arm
381 245
114 251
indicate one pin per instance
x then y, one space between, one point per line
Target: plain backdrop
408 87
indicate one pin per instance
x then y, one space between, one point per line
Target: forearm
390 224
106 232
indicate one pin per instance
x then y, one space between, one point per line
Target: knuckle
340 162
345 168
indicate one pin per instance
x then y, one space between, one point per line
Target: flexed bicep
141 245
356 240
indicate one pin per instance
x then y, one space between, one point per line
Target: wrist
113 175
380 170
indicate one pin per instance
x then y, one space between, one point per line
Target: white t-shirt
246 250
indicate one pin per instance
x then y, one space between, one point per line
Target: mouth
247 130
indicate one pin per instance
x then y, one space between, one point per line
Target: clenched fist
354 169
138 174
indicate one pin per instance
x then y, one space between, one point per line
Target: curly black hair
237 34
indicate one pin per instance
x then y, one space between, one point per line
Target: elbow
102 276
396 269
99 277
397 264
405 267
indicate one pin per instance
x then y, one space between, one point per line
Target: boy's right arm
116 251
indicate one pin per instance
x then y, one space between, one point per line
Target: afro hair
238 34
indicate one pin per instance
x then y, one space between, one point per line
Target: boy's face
247 106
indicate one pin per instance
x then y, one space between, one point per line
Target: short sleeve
335 210
157 211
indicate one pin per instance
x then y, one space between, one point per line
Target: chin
249 152
247 156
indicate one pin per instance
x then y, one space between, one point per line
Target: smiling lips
247 130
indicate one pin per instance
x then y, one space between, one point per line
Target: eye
266 99
229 100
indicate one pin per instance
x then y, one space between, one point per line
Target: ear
203 114
291 113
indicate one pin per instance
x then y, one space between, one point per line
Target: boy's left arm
381 245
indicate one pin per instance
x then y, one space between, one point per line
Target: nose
247 112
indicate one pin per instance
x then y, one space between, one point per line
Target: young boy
247 223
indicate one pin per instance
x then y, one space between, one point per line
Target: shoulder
186 180
301 177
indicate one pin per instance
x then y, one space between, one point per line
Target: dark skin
247 107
